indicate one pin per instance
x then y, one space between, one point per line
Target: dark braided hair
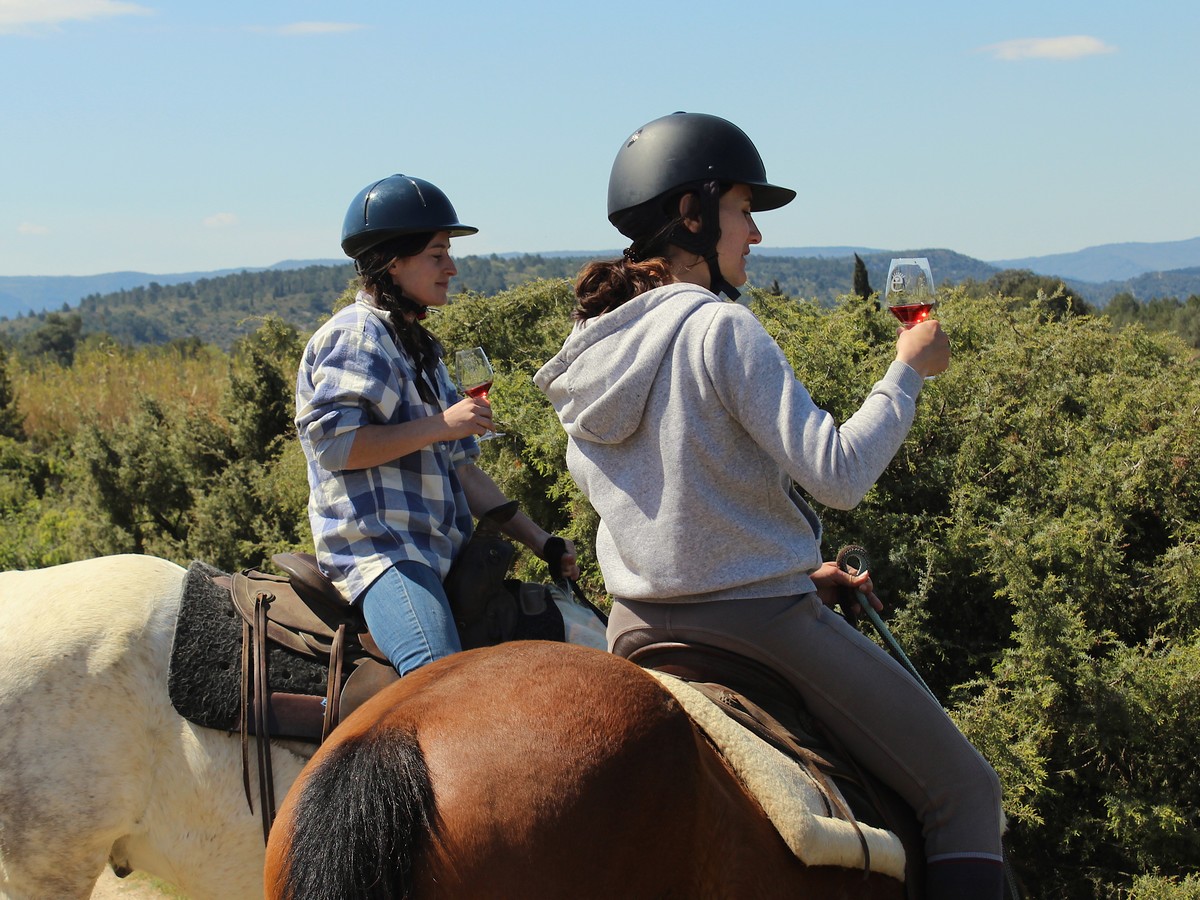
406 314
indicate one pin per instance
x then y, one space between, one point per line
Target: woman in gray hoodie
689 432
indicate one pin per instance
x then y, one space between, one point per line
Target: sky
166 136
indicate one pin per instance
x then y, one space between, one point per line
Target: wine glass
475 375
910 292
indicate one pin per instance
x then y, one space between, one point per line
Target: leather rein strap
256 695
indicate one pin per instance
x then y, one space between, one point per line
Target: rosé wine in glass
910 293
475 376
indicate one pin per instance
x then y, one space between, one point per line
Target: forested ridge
220 310
1036 539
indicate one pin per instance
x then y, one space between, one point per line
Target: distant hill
821 276
1112 262
218 310
822 252
215 311
23 294
1178 283
801 252
1146 271
828 277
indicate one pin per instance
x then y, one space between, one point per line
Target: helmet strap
717 282
704 242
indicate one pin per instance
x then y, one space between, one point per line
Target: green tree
137 480
262 380
862 283
521 329
1035 541
1052 296
1187 322
1123 309
55 339
10 415
25 477
252 498
250 510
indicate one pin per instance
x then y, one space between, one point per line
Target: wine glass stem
491 432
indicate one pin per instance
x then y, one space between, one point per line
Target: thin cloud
220 220
1075 46
31 228
304 29
18 16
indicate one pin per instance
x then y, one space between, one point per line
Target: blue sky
169 136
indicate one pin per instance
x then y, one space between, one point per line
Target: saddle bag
488 607
483 608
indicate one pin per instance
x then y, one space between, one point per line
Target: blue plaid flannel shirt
413 508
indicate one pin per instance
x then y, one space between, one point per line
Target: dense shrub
1036 538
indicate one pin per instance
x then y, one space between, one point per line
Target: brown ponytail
604 286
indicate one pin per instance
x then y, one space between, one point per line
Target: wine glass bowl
475 376
909 291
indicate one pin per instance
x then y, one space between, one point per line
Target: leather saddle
760 700
305 613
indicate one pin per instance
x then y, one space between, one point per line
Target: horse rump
358 820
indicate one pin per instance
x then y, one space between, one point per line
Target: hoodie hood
601 379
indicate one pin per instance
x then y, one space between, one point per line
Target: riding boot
964 878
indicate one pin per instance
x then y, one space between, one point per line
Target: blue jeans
409 616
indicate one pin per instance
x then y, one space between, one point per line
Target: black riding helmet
679 154
396 206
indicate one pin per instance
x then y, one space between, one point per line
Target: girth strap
304 616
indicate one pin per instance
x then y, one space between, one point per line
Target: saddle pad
787 793
204 676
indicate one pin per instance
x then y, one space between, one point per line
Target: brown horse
532 770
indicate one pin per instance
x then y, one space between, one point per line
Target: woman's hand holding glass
925 347
475 376
469 416
911 298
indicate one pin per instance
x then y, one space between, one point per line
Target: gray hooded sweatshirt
688 432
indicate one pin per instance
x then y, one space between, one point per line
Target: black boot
967 878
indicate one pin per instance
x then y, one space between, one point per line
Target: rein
855 557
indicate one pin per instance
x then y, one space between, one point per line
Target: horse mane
364 808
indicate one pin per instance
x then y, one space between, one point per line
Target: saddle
305 613
761 701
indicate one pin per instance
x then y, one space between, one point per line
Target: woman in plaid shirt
391 448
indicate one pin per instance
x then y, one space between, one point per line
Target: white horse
96 766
